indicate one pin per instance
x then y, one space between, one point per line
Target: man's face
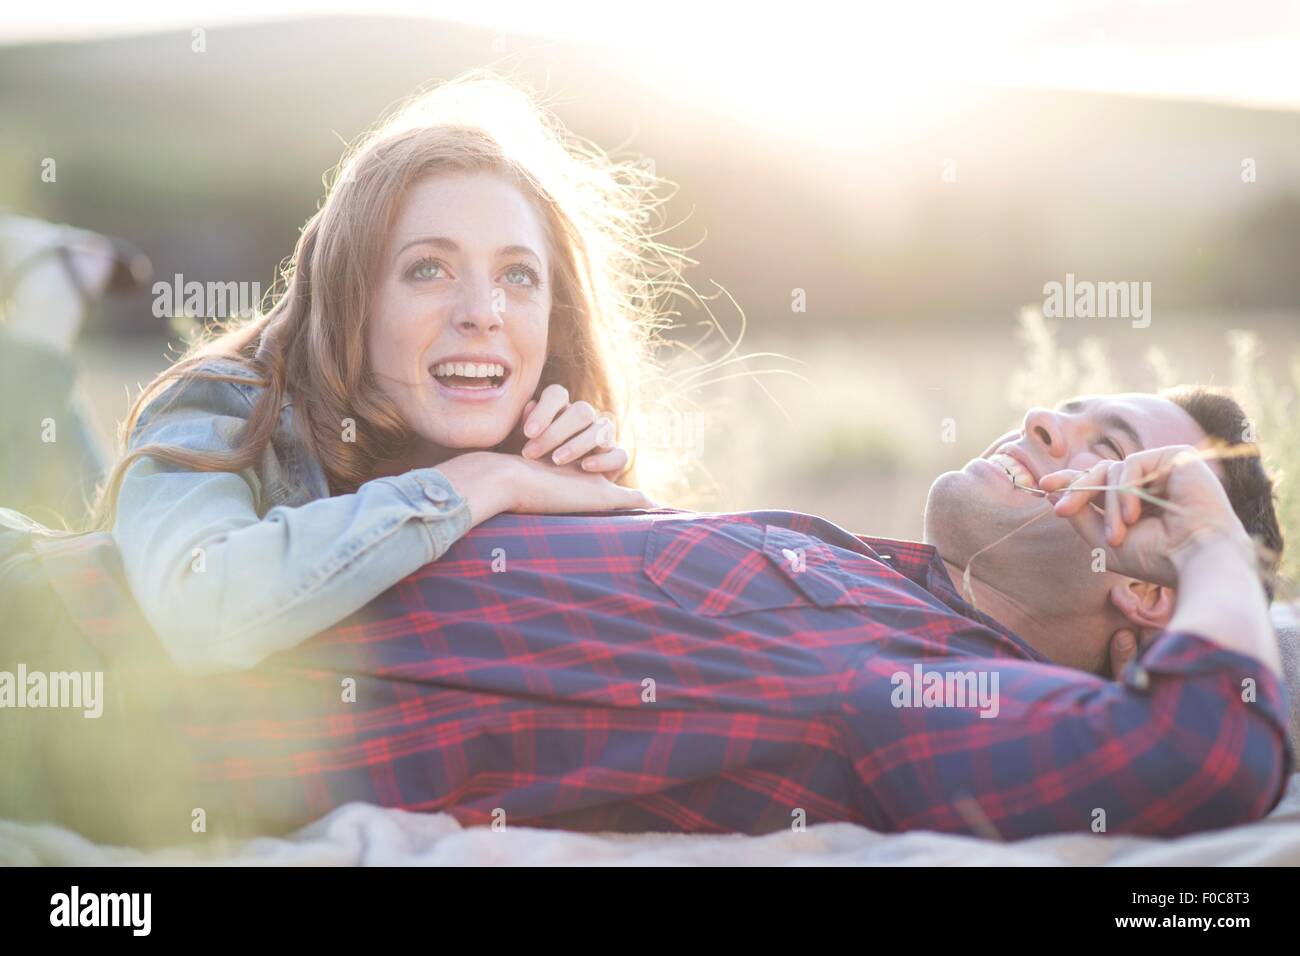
1046 569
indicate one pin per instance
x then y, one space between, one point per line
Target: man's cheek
1066 550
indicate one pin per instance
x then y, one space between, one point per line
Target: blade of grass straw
1213 452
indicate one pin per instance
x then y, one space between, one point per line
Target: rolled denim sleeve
225 586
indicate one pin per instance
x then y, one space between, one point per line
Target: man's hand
1125 645
1195 544
1147 544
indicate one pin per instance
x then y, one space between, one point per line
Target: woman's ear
1145 605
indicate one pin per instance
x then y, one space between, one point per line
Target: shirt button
435 494
1138 677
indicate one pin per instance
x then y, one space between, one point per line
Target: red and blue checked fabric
725 672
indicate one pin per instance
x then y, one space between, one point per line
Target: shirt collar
921 563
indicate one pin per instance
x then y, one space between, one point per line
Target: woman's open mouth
470 375
470 381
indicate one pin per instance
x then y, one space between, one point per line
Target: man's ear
1145 605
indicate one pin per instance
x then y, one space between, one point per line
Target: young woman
463 323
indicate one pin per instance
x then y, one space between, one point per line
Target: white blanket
361 834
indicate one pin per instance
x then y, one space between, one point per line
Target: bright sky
1243 51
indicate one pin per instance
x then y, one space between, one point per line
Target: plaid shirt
723 672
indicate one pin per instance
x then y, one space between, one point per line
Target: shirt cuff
443 512
1183 654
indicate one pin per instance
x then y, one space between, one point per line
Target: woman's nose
482 310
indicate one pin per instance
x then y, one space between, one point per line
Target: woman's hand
494 482
1147 545
571 433
544 488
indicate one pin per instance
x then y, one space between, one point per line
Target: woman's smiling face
458 335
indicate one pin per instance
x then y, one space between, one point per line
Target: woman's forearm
224 588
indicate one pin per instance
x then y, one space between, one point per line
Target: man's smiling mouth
1019 475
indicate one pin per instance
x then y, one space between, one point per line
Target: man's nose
481 310
1045 428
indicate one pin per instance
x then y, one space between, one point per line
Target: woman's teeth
1019 476
470 374
469 370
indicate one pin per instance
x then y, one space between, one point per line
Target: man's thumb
1123 648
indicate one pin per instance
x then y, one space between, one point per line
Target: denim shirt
230 568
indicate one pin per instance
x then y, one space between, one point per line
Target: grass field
856 429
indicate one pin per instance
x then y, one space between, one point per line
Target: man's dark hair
1247 482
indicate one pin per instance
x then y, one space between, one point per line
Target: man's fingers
1115 526
1090 525
1056 480
1129 476
1123 648
1071 502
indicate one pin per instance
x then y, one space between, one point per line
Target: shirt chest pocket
719 567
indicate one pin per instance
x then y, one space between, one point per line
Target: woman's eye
521 275
425 269
1113 446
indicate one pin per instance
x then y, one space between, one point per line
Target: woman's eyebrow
450 245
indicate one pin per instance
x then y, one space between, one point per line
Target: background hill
211 162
